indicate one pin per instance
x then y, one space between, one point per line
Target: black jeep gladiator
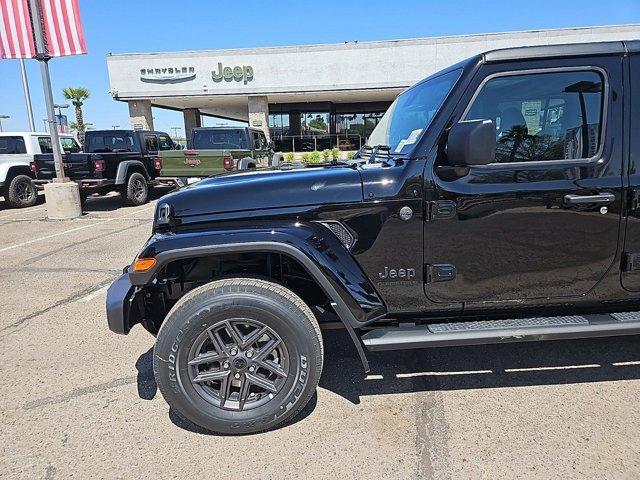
497 201
126 161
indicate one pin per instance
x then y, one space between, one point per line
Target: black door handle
599 198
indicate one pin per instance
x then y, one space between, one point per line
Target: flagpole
27 95
43 59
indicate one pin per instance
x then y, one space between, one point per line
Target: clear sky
121 26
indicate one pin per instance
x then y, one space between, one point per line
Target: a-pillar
140 114
259 113
192 119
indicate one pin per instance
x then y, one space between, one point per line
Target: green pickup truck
215 150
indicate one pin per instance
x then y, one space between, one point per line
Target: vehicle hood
264 189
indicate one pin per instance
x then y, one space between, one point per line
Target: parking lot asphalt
78 401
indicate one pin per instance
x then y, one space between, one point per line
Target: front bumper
121 305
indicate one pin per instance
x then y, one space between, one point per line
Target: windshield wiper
376 149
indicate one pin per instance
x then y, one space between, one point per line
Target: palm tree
77 96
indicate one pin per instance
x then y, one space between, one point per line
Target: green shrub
289 156
350 154
305 157
314 157
335 153
326 154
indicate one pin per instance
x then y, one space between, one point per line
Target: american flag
16 34
62 28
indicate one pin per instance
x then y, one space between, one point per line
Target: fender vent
341 232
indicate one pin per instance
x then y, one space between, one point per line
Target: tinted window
220 139
110 142
165 142
263 141
543 116
12 146
45 144
411 113
70 145
151 141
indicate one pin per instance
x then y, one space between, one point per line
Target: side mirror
272 145
472 142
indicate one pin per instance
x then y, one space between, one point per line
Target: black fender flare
123 170
352 295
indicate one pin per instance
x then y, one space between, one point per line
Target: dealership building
310 96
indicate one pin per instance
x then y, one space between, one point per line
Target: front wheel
21 192
136 190
238 355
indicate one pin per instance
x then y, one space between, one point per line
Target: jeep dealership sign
239 74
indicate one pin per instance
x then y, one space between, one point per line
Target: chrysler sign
167 74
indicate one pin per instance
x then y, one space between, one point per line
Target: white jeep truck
16 154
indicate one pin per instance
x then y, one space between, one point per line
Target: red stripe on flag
19 27
79 30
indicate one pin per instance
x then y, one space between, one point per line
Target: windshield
229 139
411 113
109 142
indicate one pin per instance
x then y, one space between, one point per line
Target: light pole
60 106
3 117
115 126
175 131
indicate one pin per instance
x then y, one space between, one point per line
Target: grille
341 232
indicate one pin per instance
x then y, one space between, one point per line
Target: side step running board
502 331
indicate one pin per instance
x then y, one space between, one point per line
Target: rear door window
151 142
165 142
70 145
12 146
45 144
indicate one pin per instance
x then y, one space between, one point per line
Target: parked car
215 150
17 150
496 201
125 161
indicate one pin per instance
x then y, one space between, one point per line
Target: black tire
203 315
21 192
136 191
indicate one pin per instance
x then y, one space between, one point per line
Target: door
631 258
541 221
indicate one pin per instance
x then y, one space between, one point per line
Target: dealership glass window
12 146
315 123
152 143
279 124
165 142
543 116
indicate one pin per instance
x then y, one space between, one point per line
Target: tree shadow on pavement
475 367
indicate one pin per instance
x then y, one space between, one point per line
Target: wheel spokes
262 382
208 357
210 376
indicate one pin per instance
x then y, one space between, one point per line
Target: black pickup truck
126 161
497 200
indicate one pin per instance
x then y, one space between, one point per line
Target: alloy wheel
238 364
